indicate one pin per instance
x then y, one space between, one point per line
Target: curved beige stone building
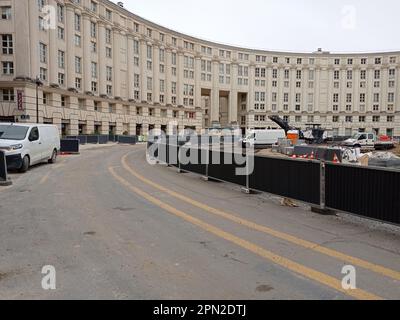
105 69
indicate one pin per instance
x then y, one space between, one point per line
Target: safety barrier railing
369 192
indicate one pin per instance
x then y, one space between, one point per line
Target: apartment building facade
105 69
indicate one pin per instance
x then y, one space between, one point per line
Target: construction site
317 143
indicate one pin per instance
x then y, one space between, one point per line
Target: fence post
179 153
322 205
4 181
205 177
247 189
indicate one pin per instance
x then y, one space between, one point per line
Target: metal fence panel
69 145
368 192
226 169
103 139
127 139
92 139
294 179
196 157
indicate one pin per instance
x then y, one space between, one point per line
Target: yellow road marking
281 235
268 255
44 178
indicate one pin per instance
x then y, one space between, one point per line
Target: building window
61 59
93 6
77 22
93 29
5 13
41 24
108 73
108 15
7 44
93 46
60 33
77 40
43 74
43 52
94 86
376 119
78 65
61 79
8 68
109 90
94 70
8 95
108 36
60 13
149 83
78 83
108 52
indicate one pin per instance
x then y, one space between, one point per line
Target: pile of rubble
383 159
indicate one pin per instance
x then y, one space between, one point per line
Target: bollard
4 181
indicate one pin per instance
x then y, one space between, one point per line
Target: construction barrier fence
364 191
103 139
69 146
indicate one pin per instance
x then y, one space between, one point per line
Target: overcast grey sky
288 25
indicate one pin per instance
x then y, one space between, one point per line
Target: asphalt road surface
115 227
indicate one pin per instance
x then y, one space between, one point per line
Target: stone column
116 62
102 58
214 117
130 69
23 63
180 79
70 42
156 74
233 96
33 37
168 76
197 87
87 61
143 69
53 53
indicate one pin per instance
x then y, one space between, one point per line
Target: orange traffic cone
335 159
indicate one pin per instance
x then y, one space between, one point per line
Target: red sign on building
20 100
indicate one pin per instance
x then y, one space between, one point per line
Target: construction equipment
316 135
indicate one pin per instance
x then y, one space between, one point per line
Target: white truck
368 141
263 138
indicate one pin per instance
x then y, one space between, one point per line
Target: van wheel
53 158
25 164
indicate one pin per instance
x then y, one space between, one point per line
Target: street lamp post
38 84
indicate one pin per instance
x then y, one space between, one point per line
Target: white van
28 144
263 138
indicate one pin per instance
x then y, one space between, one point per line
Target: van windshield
13 132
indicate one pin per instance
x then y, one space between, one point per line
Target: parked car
263 138
369 141
29 144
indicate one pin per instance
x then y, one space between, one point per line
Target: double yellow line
286 263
